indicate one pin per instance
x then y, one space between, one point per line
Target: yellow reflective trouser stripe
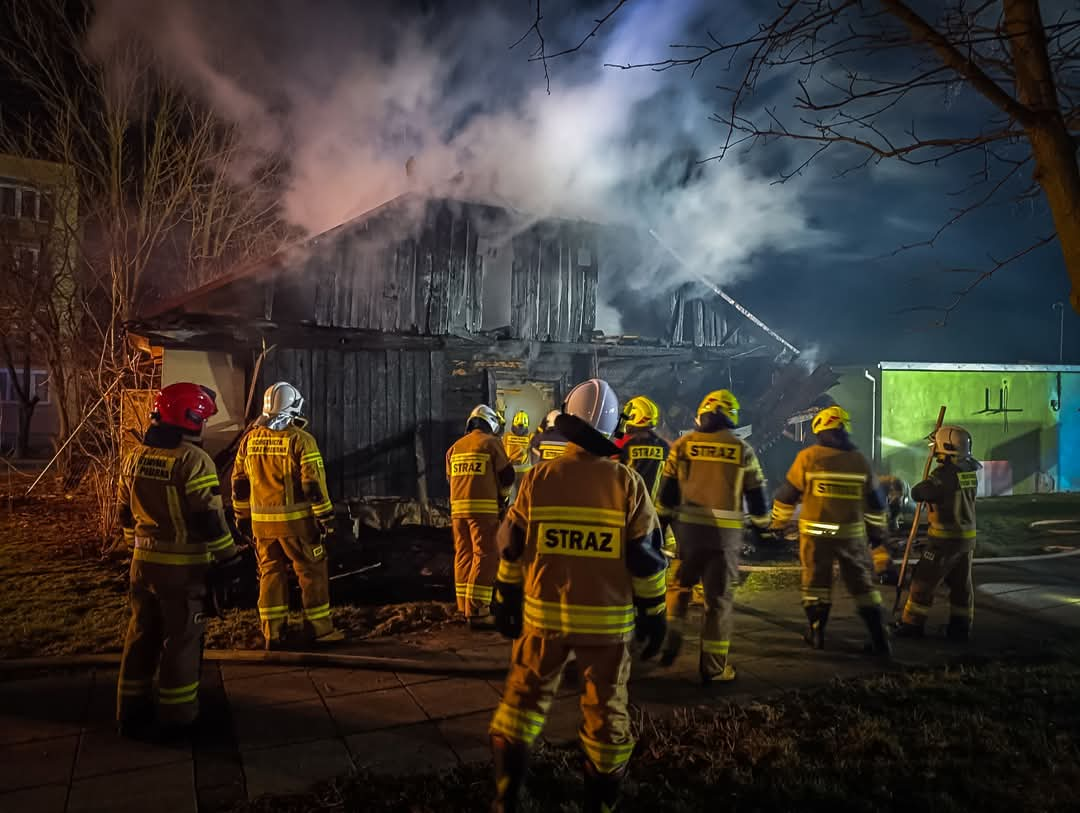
517 725
760 521
961 611
478 592
849 530
322 508
159 558
567 513
811 595
135 688
199 483
715 647
781 511
715 519
510 572
315 613
952 533
871 599
520 467
245 504
578 618
219 544
272 515
915 608
607 758
650 586
182 694
274 613
877 520
461 588
469 508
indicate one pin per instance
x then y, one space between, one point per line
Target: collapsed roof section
474 272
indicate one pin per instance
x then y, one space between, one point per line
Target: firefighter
172 519
950 491
549 442
642 449
842 505
516 442
708 475
580 571
480 475
280 500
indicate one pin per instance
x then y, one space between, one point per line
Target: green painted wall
855 394
911 398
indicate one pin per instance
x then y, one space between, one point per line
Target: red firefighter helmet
185 405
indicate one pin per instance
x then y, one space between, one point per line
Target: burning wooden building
395 324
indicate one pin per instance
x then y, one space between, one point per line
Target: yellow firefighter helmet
834 417
723 402
521 420
642 412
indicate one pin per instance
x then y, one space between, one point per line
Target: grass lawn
1004 523
60 596
990 738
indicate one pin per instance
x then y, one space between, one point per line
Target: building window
28 209
7 201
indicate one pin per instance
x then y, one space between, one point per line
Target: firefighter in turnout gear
480 474
516 442
549 442
841 505
642 449
950 492
280 499
580 571
172 519
708 476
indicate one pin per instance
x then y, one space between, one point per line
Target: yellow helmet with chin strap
521 420
834 417
641 412
721 401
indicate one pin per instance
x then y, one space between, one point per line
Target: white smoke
348 96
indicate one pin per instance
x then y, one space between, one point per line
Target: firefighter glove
224 585
507 609
650 626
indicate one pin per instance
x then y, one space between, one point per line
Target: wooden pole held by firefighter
918 516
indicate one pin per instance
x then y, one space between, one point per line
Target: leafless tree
160 202
859 67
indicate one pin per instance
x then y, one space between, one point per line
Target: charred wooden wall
553 284
705 321
366 407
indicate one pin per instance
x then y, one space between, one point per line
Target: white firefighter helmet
282 404
951 441
549 419
595 402
486 414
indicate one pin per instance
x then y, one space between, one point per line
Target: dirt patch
991 738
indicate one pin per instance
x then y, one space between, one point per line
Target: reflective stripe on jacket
951 491
838 490
473 465
281 472
645 452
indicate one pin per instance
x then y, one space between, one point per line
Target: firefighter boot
511 759
959 630
879 636
817 616
672 645
601 789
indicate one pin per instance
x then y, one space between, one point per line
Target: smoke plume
350 95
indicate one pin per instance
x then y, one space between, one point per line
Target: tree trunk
1056 168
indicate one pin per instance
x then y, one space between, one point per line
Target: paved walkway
281 729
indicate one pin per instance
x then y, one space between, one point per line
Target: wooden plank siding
553 294
365 408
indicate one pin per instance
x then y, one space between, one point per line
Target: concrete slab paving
449 698
41 762
408 749
468 736
46 799
103 751
332 682
356 713
265 726
239 671
276 688
293 768
160 788
42 708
